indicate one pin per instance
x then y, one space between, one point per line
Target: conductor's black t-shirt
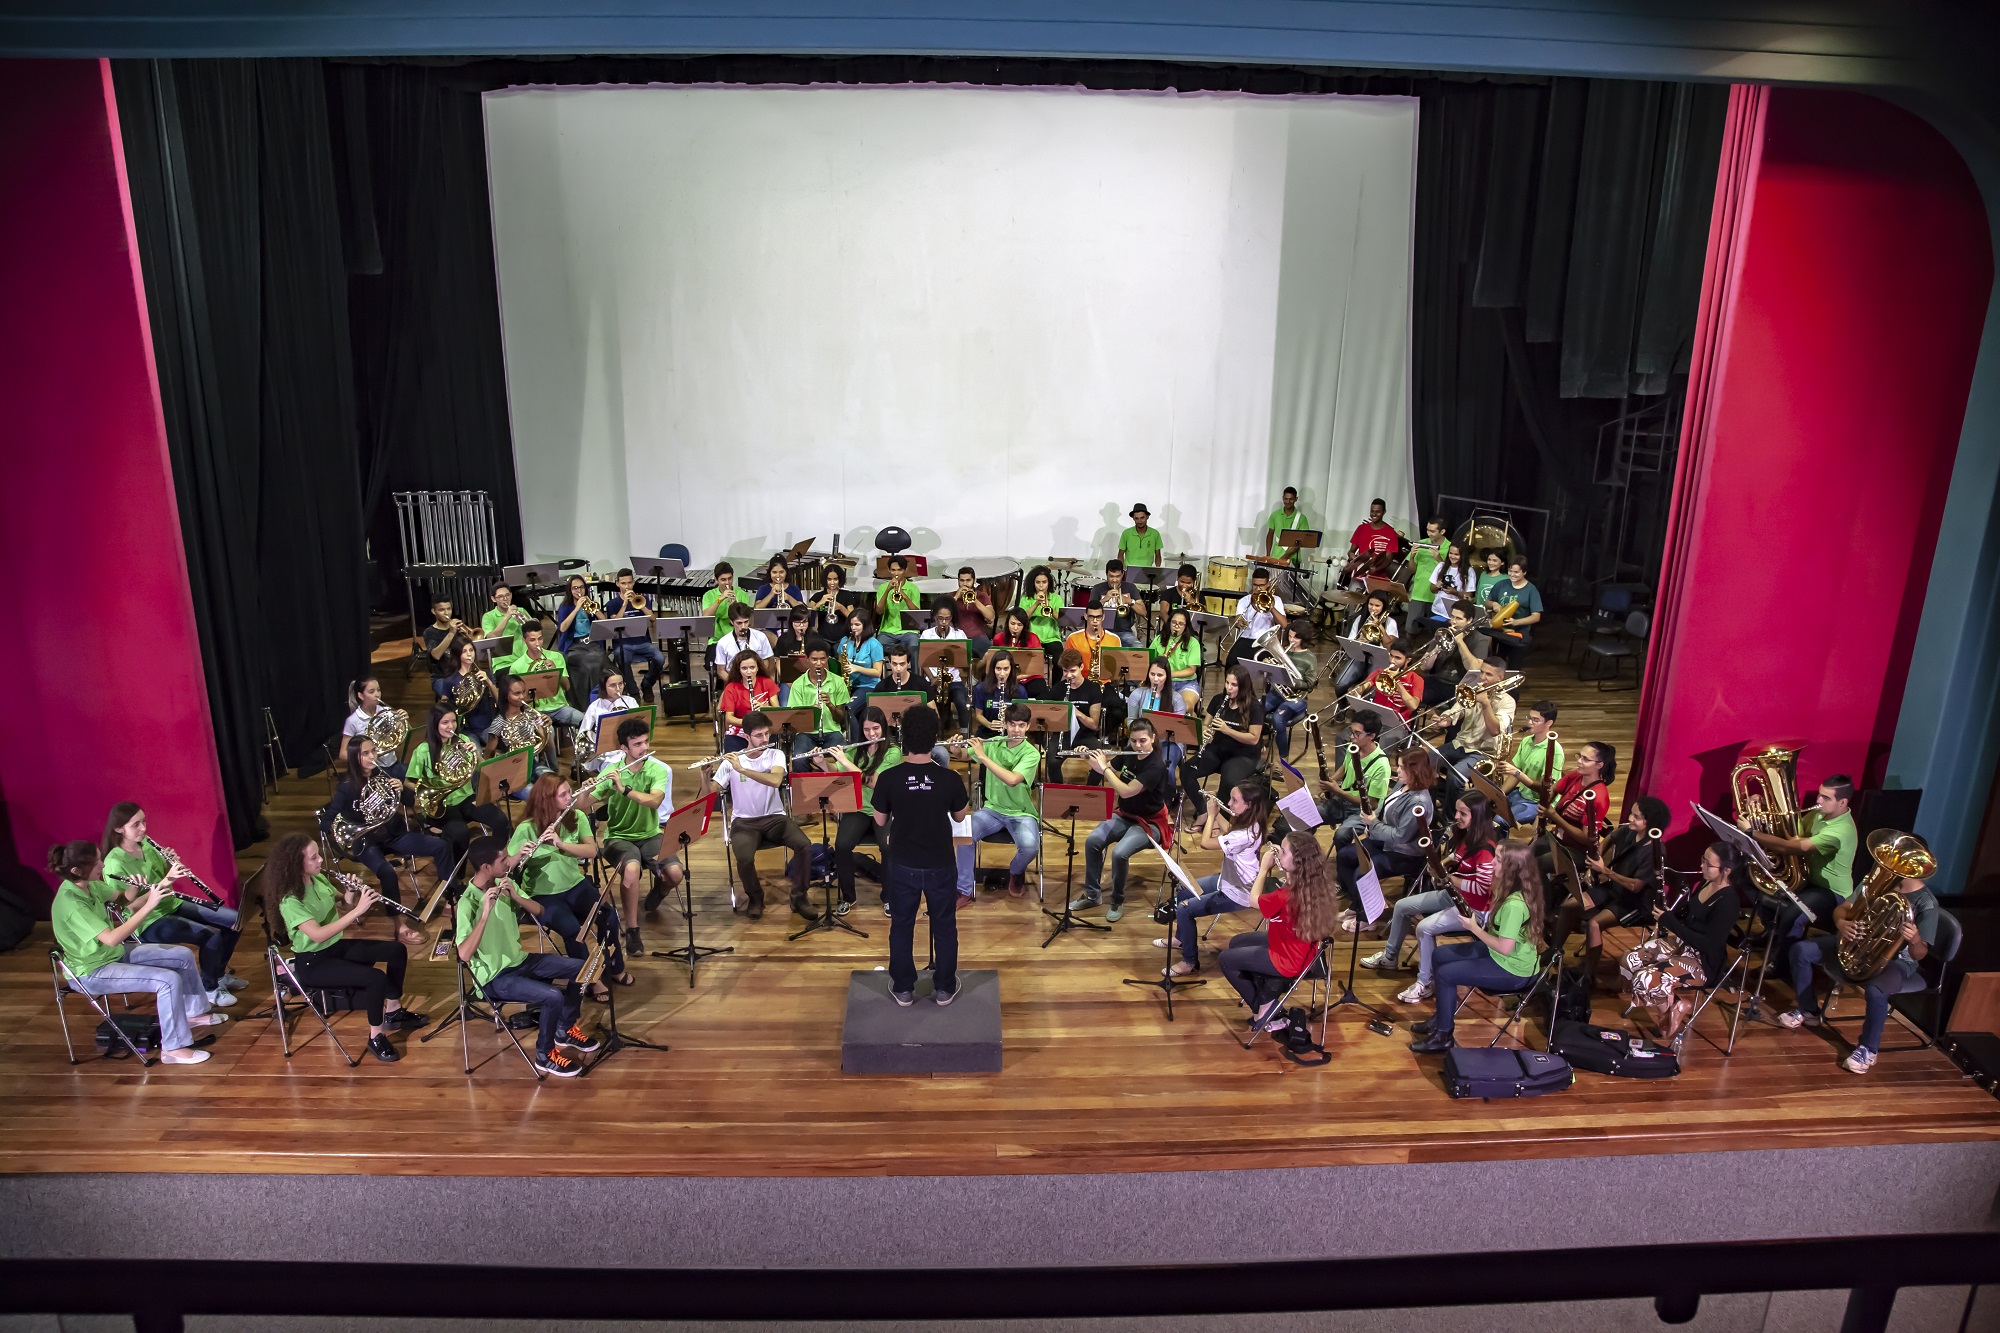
920 800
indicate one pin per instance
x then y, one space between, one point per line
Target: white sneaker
1416 993
221 997
1798 1018
1379 961
234 982
1859 1060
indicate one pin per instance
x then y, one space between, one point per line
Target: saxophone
1878 907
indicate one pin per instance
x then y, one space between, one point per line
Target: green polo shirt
1373 779
78 918
1540 760
1424 557
1280 521
1187 657
419 772
150 866
1023 758
892 755
550 869
1830 863
500 943
318 903
713 603
521 664
1140 550
1043 627
892 604
628 820
489 625
1510 922
832 694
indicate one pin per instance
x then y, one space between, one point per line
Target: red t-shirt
1475 876
1289 954
1374 538
970 623
1568 801
1032 641
737 700
1392 701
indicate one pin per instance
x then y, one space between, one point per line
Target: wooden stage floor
1095 1079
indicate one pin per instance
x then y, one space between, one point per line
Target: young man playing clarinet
819 689
489 944
1086 700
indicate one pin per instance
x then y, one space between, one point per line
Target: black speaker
1885 809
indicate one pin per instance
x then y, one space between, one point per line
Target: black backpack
142 1029
1611 1051
1295 1039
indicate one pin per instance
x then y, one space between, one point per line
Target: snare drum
1226 574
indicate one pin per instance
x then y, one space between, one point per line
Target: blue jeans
1410 909
626 652
1282 713
1025 830
211 940
563 916
1470 964
374 856
563 716
169 973
811 740
902 888
1522 806
1126 838
1820 951
1211 901
545 979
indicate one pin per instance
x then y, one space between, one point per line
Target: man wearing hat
1139 545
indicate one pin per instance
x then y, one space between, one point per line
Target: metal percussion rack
450 547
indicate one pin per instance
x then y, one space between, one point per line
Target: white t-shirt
601 708
1460 580
1239 864
356 724
726 647
1388 626
748 798
1259 623
932 636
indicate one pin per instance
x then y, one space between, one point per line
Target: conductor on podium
917 801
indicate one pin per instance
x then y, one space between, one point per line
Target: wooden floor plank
1093 1078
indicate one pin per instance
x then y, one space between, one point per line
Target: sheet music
1174 867
1368 885
1301 809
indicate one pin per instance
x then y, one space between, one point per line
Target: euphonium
388 728
1269 650
1878 908
1765 787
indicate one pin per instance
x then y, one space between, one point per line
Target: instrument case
1496 1071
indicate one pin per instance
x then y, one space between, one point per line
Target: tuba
1878 908
378 803
449 771
1765 787
388 728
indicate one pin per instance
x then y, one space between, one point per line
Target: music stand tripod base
830 794
1064 801
687 825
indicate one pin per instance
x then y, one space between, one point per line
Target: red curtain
1847 279
103 672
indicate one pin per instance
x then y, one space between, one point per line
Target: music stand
1167 982
1069 619
507 772
1372 656
895 703
681 829
1264 676
607 726
830 794
522 576
542 685
1368 895
1394 728
687 631
654 567
485 648
1027 662
1749 849
1298 539
790 722
941 653
1173 727
769 619
1125 667
1062 800
790 667
1050 716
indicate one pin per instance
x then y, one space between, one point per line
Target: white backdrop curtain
738 317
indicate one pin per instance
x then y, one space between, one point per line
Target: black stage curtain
232 191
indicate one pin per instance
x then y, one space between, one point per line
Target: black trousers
348 964
1347 869
1233 769
375 855
564 914
457 821
856 827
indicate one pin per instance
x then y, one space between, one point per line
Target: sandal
624 979
600 993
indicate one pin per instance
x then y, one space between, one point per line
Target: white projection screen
739 317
